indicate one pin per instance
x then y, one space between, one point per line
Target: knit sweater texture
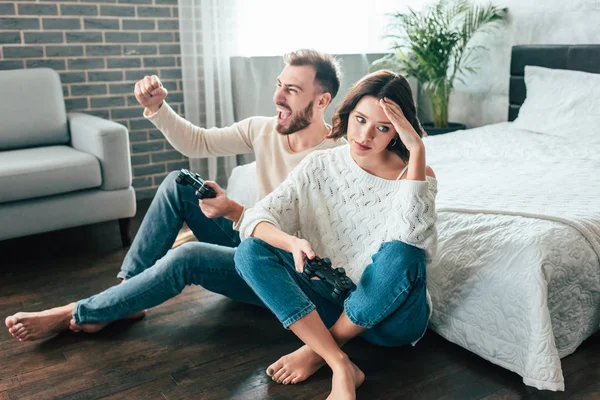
345 213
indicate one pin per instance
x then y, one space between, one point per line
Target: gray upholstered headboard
575 57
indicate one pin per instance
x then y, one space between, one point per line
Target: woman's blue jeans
389 300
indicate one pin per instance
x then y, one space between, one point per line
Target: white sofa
58 170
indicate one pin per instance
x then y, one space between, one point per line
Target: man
152 273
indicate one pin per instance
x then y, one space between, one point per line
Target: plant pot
452 126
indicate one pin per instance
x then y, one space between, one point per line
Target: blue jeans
154 273
389 300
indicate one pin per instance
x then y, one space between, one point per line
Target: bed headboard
575 57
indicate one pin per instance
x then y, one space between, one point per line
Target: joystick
321 268
186 177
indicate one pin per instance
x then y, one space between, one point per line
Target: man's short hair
328 74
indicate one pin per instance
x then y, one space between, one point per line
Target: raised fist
150 92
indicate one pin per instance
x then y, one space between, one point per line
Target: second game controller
321 268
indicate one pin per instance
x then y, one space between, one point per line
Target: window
273 27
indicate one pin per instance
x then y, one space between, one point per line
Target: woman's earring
394 142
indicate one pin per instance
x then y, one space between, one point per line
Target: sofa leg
124 224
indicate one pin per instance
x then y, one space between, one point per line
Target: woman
369 207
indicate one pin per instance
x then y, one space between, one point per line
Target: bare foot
95 327
27 326
295 367
346 379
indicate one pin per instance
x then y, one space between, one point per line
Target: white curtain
207 38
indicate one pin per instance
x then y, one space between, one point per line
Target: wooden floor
204 346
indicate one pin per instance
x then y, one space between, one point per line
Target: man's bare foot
27 326
295 367
346 379
95 327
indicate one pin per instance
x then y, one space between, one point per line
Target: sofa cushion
32 109
44 171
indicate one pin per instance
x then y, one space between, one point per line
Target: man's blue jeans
389 300
154 273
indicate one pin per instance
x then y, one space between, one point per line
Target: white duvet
517 276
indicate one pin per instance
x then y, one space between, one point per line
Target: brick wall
100 49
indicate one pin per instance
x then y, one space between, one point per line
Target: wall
100 49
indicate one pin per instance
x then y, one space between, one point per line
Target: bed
516 278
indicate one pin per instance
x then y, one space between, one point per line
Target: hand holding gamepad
301 250
217 206
212 199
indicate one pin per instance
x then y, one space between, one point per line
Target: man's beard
298 122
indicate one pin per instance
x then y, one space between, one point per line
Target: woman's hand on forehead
405 130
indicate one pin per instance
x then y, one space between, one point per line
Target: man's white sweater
274 157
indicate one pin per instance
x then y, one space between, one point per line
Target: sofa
57 169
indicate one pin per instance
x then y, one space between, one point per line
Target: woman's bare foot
27 326
347 377
95 327
295 367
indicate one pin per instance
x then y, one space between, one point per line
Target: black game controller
321 268
186 177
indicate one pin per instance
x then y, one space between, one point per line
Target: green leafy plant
433 46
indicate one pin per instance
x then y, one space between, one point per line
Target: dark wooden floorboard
203 346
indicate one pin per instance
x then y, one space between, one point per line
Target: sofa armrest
108 142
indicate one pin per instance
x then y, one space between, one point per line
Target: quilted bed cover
516 278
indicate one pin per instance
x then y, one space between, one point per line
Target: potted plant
433 46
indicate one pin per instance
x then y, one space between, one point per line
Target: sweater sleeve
281 207
418 215
195 142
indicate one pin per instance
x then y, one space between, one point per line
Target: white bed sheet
517 276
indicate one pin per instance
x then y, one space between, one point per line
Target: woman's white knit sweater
345 213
